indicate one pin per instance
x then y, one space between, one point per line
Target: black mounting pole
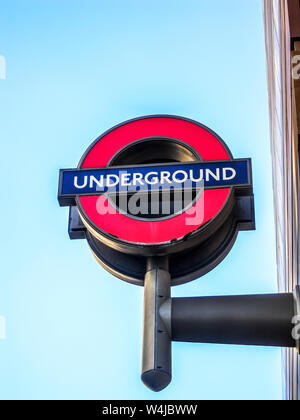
156 362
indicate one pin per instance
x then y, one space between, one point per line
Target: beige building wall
284 149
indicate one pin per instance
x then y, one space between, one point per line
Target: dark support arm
262 320
156 363
258 320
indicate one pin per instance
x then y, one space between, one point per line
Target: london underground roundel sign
160 185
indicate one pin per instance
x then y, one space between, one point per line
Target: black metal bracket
156 364
76 228
257 320
297 315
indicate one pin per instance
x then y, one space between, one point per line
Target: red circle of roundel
206 143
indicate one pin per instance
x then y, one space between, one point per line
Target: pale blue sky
74 69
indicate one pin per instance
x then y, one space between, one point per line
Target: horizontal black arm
257 320
262 320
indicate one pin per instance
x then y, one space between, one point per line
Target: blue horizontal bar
219 174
